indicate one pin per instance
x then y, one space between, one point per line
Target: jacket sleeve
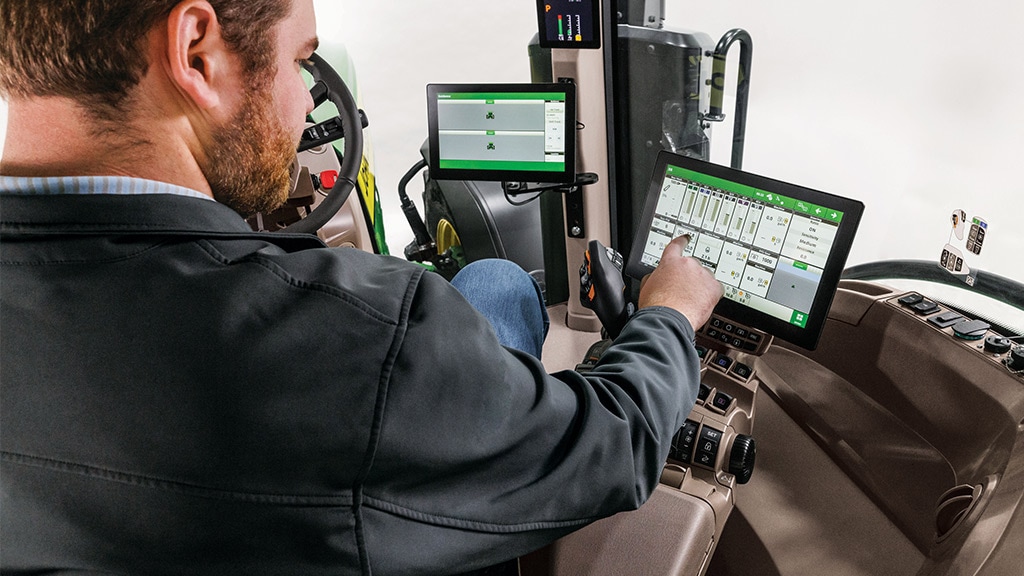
480 454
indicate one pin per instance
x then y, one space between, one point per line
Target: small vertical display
960 254
569 23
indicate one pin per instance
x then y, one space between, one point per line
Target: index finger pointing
678 243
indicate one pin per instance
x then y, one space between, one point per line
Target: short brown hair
92 50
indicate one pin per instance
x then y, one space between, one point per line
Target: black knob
997 344
741 458
971 329
1016 358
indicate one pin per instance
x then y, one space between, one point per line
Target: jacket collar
150 214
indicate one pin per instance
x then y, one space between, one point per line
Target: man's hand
681 283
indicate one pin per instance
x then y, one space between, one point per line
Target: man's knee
510 299
497 275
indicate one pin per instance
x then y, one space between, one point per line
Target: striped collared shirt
121 185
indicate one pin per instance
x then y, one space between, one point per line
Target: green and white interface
767 250
522 131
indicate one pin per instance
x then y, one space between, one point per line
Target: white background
911 106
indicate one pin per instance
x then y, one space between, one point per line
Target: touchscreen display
569 23
778 249
502 132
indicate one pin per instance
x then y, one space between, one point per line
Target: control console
970 332
714 446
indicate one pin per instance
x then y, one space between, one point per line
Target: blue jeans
510 299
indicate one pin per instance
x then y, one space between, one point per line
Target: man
181 395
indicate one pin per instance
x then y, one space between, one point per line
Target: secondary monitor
502 132
778 249
570 24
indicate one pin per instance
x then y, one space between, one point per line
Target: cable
412 215
508 198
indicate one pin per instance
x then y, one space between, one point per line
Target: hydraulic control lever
602 288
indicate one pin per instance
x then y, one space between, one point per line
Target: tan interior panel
805 511
896 447
670 535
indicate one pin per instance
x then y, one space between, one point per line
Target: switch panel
707 447
683 443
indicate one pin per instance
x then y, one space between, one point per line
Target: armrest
672 534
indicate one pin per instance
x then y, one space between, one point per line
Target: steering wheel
352 130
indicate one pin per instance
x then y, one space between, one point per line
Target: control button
702 352
703 392
729 328
925 307
681 455
685 446
754 337
723 361
971 329
742 370
722 401
737 342
749 346
996 344
705 458
689 430
712 333
741 332
707 446
328 178
682 444
709 433
717 322
910 299
725 338
946 319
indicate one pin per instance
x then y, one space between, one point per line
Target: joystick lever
602 288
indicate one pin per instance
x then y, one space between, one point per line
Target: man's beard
248 164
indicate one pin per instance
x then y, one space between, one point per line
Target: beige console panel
673 533
348 227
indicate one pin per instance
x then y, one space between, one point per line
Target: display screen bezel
591 7
850 211
566 175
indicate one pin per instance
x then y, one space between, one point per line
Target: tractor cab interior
851 420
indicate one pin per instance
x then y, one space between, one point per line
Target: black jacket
181 395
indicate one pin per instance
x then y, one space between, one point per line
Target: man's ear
199 59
